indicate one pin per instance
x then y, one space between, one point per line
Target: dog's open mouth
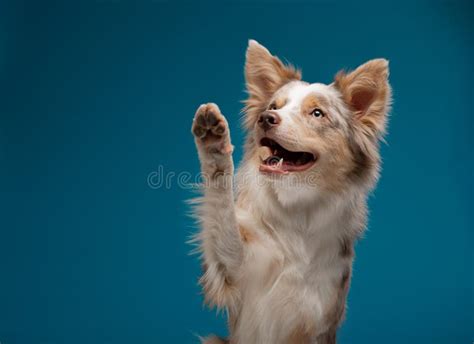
276 159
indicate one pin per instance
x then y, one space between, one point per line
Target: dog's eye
317 113
272 106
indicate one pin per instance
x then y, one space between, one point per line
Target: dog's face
320 136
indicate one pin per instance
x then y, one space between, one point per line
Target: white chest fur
291 265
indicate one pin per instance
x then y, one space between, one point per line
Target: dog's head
320 136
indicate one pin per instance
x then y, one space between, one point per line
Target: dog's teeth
280 163
264 153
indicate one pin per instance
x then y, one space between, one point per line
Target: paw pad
209 124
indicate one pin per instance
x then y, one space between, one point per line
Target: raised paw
211 129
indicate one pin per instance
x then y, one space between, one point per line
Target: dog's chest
281 276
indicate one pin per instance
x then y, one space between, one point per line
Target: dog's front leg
219 237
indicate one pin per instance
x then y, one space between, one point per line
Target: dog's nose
268 120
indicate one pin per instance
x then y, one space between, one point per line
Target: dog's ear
264 74
368 94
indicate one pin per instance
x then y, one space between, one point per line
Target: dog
277 238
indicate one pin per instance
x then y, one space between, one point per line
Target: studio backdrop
97 161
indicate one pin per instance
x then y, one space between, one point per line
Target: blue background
95 96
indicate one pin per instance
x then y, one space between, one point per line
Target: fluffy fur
277 244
